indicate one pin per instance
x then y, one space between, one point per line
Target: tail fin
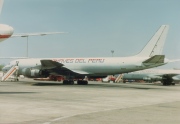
1 5
156 44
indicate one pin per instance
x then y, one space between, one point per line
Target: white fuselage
6 31
93 66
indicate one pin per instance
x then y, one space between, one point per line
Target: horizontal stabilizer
49 64
36 34
174 60
154 60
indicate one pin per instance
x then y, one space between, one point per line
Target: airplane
166 76
7 31
98 67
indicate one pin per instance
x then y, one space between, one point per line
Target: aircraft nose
6 31
11 30
6 68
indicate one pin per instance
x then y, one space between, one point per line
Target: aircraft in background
6 31
167 77
79 68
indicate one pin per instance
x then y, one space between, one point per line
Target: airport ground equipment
10 72
119 78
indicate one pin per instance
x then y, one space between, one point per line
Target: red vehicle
109 78
51 78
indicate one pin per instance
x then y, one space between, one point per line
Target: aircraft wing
49 64
36 34
13 57
53 65
169 75
80 72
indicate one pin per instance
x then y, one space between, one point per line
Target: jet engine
152 78
31 72
147 79
155 78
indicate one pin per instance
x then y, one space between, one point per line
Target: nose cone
5 31
6 68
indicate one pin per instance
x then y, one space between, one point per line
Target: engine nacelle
31 72
147 79
152 78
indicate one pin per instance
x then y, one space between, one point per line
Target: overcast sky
95 27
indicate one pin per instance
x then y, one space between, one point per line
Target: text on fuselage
79 60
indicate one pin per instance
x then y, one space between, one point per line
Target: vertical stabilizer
156 44
1 5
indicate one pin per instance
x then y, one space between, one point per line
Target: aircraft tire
16 80
164 83
81 82
168 81
68 82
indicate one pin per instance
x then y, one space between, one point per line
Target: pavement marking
60 118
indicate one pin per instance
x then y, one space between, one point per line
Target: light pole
112 51
37 34
26 45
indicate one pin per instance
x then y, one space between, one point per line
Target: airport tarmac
36 102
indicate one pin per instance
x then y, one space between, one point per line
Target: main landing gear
79 82
168 82
68 82
82 82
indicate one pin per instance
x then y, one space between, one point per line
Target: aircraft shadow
46 84
98 85
119 86
16 92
